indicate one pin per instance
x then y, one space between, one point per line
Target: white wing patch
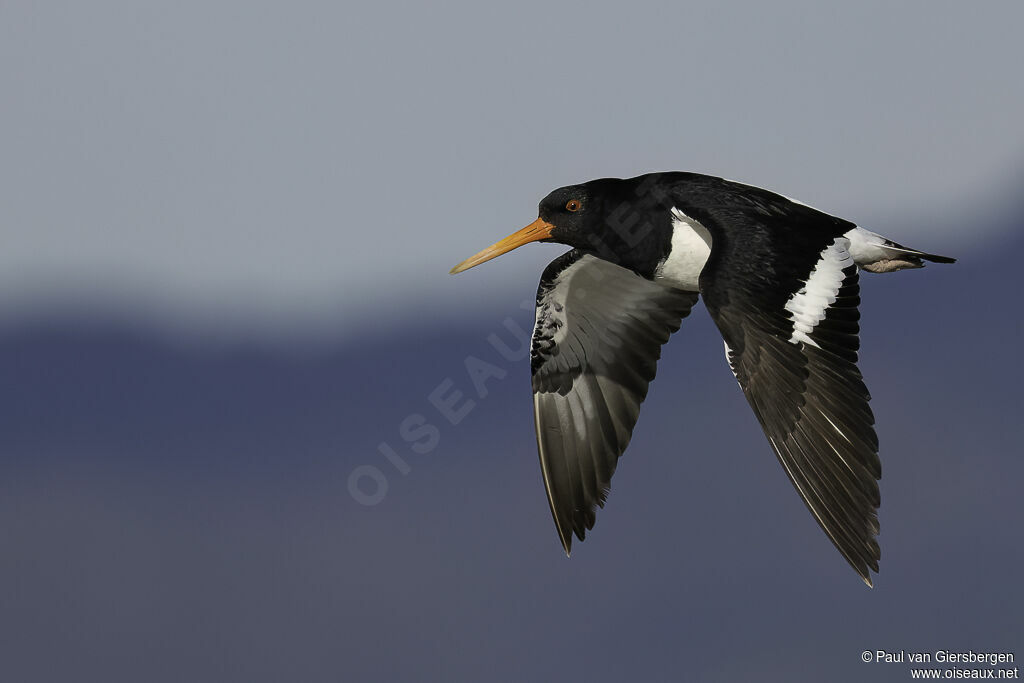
809 306
691 246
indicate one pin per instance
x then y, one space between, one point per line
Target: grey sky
266 163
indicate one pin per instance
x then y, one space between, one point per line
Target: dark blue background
180 510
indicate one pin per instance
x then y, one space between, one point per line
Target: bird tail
920 255
889 256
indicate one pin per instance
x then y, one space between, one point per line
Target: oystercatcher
780 280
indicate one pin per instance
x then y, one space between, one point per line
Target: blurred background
226 325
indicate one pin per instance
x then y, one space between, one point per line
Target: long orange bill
535 231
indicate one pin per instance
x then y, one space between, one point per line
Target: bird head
564 216
626 222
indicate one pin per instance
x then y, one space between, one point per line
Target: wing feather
596 343
792 334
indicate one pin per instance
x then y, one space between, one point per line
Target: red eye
574 205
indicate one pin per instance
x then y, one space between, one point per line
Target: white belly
691 246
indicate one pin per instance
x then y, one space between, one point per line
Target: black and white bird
780 280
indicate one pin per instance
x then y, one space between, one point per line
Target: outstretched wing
596 343
790 324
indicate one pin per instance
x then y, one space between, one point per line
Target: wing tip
864 567
566 540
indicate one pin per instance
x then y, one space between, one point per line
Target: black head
623 221
569 210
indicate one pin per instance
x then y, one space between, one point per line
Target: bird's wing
790 322
596 343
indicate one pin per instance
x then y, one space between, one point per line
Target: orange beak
534 232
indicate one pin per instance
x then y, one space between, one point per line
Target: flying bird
780 280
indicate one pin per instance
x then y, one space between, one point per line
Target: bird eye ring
574 205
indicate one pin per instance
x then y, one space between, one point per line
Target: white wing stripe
809 306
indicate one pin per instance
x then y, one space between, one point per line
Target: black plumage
780 280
